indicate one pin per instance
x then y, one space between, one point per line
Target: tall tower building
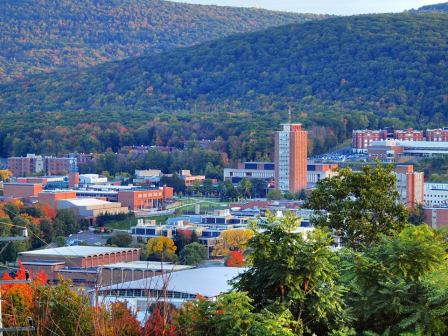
291 158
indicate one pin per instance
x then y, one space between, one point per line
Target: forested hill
44 35
393 65
442 7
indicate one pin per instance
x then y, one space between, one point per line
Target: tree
193 254
399 285
245 188
274 194
122 321
297 273
416 215
235 259
5 175
233 315
120 239
359 206
232 240
161 248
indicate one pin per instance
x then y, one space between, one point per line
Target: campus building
291 158
21 190
250 170
436 194
77 263
36 164
408 135
177 288
362 139
410 185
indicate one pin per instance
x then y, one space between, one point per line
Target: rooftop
87 201
208 281
76 251
149 265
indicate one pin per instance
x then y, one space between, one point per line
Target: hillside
442 7
44 35
340 73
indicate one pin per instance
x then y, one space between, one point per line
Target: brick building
436 217
385 151
291 158
25 166
362 139
409 135
145 199
440 135
21 190
78 263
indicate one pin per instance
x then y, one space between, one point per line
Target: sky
338 7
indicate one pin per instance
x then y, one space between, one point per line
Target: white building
91 179
176 288
436 194
148 176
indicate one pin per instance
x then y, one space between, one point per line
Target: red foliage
48 211
123 322
185 233
235 259
158 324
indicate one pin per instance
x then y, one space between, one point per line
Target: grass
208 205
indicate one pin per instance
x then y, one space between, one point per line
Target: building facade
436 194
410 185
24 166
439 135
362 139
408 135
145 199
291 158
250 170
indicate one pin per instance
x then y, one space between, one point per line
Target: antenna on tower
289 114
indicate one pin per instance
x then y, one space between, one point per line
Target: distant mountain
336 74
44 35
394 65
442 7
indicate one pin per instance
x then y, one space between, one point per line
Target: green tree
120 239
297 273
399 285
416 215
193 254
232 315
245 188
359 206
274 194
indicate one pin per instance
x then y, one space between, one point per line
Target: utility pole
30 327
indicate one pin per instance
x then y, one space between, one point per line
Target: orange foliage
159 324
123 322
235 259
48 211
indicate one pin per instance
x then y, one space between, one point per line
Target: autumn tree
123 321
235 259
5 175
232 240
161 248
359 206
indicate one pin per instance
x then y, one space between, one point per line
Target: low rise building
251 170
436 194
436 217
21 190
89 179
320 171
145 198
179 287
439 135
78 263
189 179
147 177
90 208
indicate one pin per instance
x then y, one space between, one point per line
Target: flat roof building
177 287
